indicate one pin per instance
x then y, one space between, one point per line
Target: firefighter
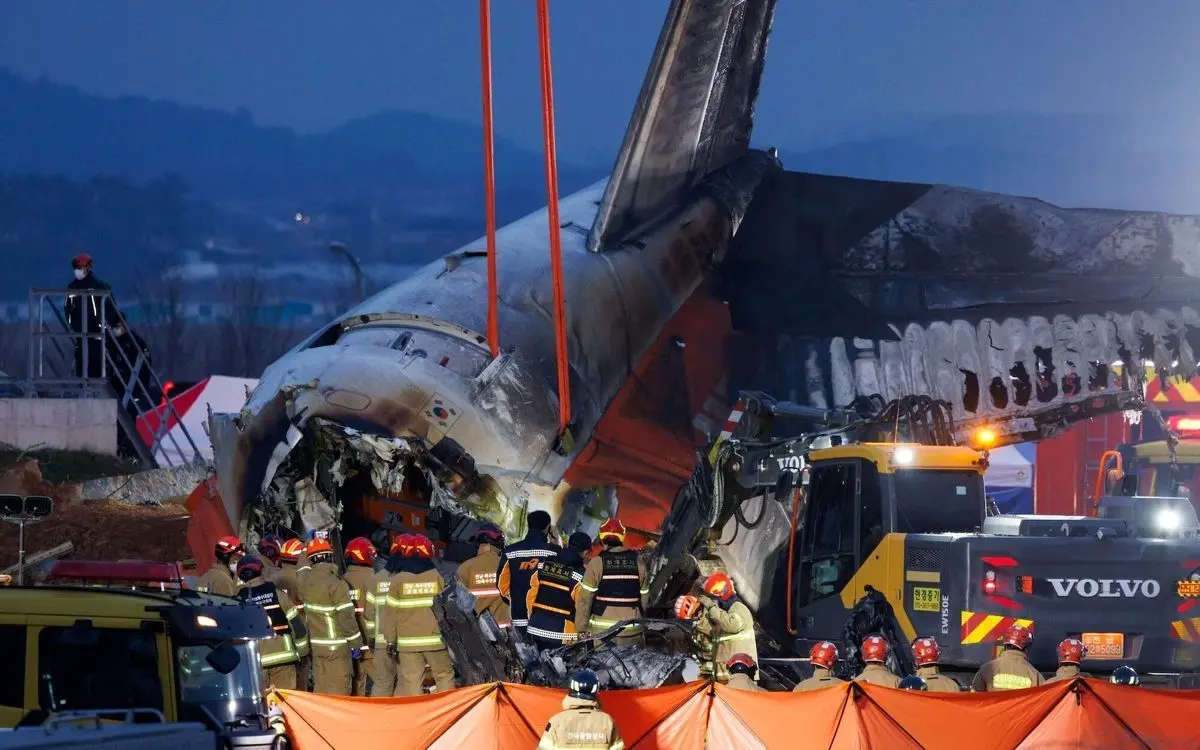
287 578
517 563
914 682
553 595
926 653
1125 675
329 614
823 656
874 654
413 633
1010 670
742 669
478 575
383 679
581 723
270 550
1070 652
726 626
85 314
360 556
278 655
220 578
614 587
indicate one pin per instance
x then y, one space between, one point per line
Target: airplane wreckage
699 263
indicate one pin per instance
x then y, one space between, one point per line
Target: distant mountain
48 128
1072 160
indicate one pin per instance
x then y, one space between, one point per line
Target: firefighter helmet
271 547
249 568
612 530
875 649
318 546
584 685
823 654
401 544
741 664
421 547
360 551
227 546
687 607
488 534
1018 636
720 586
291 549
82 260
925 651
1125 675
1071 651
914 682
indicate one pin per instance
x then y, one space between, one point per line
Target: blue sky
835 66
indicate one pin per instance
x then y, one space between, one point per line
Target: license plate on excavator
1104 645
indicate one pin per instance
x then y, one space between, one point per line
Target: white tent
1009 477
190 416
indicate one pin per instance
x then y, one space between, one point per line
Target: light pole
337 248
23 510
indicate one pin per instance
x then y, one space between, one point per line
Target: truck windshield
225 696
935 501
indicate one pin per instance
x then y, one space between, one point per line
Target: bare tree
165 325
253 331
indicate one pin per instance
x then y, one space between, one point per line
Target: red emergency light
125 571
1184 425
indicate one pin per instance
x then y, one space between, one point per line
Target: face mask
233 567
80 274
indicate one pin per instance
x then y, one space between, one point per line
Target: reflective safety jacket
479 575
328 610
219 580
1008 671
581 725
937 682
877 674
359 579
743 682
286 622
553 595
728 630
376 610
614 589
822 678
1066 672
410 623
288 581
517 565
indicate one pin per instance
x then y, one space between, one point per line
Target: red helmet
401 545
318 546
291 549
1071 651
686 607
719 586
360 551
421 547
83 260
875 649
823 654
228 545
270 547
925 651
1018 636
741 664
613 529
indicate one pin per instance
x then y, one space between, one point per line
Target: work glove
356 654
392 650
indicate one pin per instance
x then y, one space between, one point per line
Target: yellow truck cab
190 656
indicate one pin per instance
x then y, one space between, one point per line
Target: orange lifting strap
489 175
560 311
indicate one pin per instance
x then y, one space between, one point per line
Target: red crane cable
489 175
560 310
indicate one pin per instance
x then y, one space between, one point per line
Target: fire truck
882 524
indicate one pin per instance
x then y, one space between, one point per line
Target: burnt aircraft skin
997 304
406 378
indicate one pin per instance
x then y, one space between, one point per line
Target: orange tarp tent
700 715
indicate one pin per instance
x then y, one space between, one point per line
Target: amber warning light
1188 589
985 437
1185 426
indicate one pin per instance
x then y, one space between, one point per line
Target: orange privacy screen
700 715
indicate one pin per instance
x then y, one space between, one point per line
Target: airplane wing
693 115
993 302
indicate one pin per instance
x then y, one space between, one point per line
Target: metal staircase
63 364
